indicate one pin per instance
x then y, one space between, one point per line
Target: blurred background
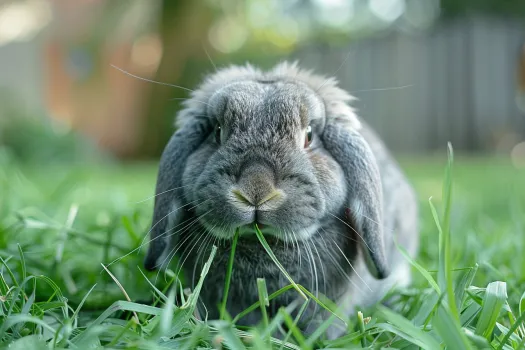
80 140
424 71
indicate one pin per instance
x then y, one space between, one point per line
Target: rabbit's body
291 155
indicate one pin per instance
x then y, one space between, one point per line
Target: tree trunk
183 30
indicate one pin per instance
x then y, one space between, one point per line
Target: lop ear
365 196
169 194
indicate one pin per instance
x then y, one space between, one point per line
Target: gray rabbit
282 149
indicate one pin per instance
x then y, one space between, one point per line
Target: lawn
59 222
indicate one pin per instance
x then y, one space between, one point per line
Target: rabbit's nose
255 186
255 202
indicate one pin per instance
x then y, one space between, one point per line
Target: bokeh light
228 35
388 10
517 155
22 20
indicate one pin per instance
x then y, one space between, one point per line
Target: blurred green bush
32 137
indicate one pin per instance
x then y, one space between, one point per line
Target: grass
59 222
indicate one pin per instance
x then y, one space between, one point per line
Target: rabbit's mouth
248 232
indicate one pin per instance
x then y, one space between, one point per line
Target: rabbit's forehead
275 102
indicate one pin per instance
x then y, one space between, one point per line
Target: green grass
59 222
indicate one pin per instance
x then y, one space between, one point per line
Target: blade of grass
463 283
295 322
22 262
159 293
120 305
320 330
257 342
119 335
278 319
122 289
521 307
426 308
16 319
445 260
263 299
229 337
519 321
56 289
292 326
10 272
420 268
332 308
167 315
469 314
73 210
362 328
521 310
514 337
185 311
198 333
449 328
495 297
405 329
77 310
257 304
479 342
227 280
266 247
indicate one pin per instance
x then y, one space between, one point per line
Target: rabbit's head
281 149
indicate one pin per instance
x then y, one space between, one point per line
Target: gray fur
329 211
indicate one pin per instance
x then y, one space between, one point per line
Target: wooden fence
455 82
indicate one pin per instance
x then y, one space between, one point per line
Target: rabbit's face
264 163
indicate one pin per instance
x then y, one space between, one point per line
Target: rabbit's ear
169 193
364 196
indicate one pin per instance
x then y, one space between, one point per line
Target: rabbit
283 149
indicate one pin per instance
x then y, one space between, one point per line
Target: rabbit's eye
218 134
308 136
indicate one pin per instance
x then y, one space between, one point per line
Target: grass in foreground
57 224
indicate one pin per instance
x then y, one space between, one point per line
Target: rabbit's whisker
375 222
167 261
349 263
192 99
201 203
315 282
150 80
338 266
299 251
383 89
142 245
336 71
316 306
160 235
187 226
209 57
200 251
314 262
182 230
353 229
158 194
347 235
202 237
322 266
161 219
179 245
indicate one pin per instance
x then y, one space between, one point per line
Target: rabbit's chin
280 233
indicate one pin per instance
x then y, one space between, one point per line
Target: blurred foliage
31 138
455 8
